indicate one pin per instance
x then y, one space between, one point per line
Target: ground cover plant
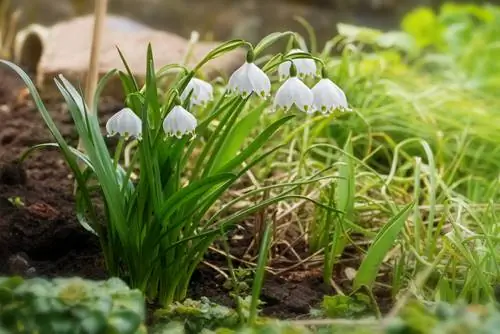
383 215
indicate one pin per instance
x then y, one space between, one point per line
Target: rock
65 48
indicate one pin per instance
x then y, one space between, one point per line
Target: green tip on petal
324 72
250 56
293 70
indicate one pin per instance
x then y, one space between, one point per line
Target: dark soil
39 234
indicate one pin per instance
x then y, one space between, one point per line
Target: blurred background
223 19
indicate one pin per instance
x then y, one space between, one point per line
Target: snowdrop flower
328 97
305 66
126 123
294 91
202 92
179 122
249 78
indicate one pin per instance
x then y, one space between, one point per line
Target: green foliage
70 306
330 231
340 306
446 318
467 32
425 130
196 316
241 282
275 327
382 243
396 40
265 245
159 226
423 24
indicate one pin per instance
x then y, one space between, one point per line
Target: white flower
305 66
179 122
202 92
294 91
249 78
126 123
328 97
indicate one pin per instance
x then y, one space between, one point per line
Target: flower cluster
325 97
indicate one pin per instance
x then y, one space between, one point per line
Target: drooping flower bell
249 78
179 122
126 123
201 92
328 97
294 91
305 66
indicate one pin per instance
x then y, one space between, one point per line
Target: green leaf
94 322
124 322
100 88
6 295
383 242
260 271
345 194
133 82
269 40
340 306
240 132
193 190
219 136
220 50
423 24
399 40
255 145
358 34
90 133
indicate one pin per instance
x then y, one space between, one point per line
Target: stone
64 48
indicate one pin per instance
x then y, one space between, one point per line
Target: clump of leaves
274 326
241 282
71 305
344 306
444 318
197 315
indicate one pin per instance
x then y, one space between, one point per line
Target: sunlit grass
425 129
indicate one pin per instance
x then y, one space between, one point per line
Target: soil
39 234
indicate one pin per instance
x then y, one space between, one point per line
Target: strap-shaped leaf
383 242
239 133
192 190
255 145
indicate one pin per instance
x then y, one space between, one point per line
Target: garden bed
40 235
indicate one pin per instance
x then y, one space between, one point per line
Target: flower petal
249 78
179 122
261 85
202 92
328 96
305 66
284 97
302 96
125 122
239 82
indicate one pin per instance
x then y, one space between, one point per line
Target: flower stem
303 149
118 151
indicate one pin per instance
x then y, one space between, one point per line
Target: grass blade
383 242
